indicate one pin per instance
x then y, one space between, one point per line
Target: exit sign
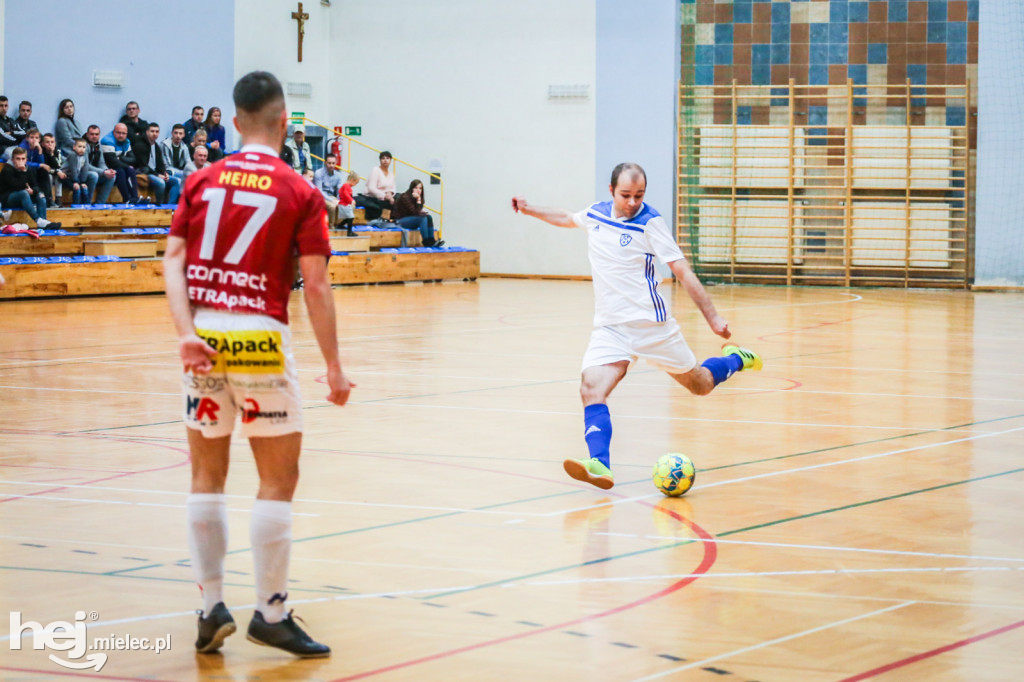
353 130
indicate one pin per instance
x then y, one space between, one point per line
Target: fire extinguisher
336 145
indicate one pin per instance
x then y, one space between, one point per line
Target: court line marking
830 548
250 497
136 504
785 472
768 574
772 642
861 597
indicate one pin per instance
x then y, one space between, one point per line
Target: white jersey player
631 320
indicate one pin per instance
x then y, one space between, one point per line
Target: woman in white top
380 188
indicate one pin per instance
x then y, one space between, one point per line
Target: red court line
813 326
106 478
710 555
50 673
934 652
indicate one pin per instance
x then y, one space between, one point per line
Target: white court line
905 371
135 504
766 574
771 642
86 390
786 472
249 497
36 538
861 597
830 548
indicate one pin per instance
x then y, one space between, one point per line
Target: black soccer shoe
214 629
286 635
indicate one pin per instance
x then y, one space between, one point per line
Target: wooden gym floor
857 512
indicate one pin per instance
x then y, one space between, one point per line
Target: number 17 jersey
244 219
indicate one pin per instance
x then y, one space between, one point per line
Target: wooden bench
104 219
68 245
125 248
350 244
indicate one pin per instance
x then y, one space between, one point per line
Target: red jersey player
228 271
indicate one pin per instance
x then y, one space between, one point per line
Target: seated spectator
193 124
201 161
24 120
67 128
346 204
328 181
410 214
118 155
149 161
19 191
380 188
136 126
199 140
287 156
177 155
302 158
37 164
10 136
53 158
215 131
98 165
79 181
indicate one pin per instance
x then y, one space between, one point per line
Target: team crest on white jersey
625 239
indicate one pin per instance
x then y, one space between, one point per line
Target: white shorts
659 343
253 375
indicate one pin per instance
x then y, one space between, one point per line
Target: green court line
722 534
291 588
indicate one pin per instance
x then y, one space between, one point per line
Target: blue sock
597 425
724 367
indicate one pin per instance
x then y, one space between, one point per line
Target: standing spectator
201 161
10 136
328 181
18 190
193 124
54 159
24 120
105 176
380 188
346 204
410 214
302 158
149 161
177 155
37 164
78 179
117 153
67 128
199 140
136 126
215 131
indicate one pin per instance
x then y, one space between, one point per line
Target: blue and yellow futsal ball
674 474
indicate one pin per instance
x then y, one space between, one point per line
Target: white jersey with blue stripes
622 253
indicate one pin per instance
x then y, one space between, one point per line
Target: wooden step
389 239
125 248
146 276
350 244
74 218
68 245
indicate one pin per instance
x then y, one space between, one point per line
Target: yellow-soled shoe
751 360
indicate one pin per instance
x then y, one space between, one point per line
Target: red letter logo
207 406
250 411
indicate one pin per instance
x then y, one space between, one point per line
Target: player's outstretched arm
681 269
196 355
558 217
320 303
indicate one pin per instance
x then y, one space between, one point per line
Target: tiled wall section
819 42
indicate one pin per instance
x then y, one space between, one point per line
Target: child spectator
18 189
346 204
78 179
54 159
37 163
215 131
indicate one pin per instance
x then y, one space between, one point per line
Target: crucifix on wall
301 17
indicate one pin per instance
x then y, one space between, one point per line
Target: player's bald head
259 100
628 171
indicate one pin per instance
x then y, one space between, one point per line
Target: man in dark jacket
149 161
98 165
24 121
10 135
136 126
18 190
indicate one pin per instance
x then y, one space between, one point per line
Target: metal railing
338 133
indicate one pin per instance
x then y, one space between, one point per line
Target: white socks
270 533
208 543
